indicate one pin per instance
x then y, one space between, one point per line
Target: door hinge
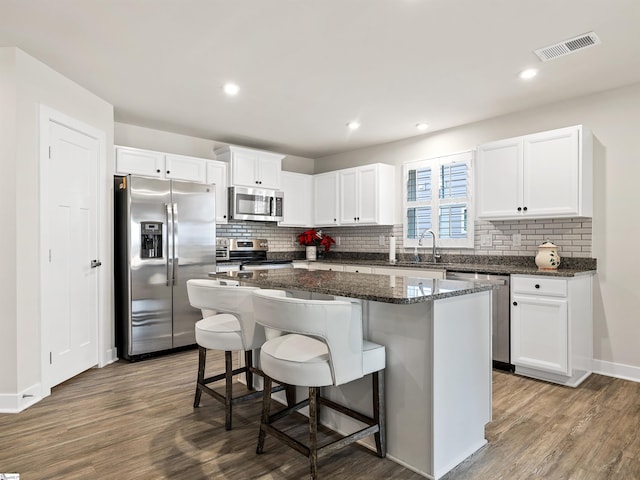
49 151
49 255
50 358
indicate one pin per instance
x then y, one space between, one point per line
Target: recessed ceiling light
353 125
231 89
422 126
528 73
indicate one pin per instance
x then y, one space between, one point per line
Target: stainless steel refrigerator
165 234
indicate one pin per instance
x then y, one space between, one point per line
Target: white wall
614 117
8 325
141 137
36 84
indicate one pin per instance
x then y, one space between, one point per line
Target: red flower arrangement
313 237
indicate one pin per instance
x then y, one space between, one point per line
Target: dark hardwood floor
136 421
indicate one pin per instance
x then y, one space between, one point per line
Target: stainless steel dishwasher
501 313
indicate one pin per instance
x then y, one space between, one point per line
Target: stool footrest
222 376
346 411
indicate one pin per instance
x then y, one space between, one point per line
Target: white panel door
349 196
70 279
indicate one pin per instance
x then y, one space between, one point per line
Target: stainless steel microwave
259 204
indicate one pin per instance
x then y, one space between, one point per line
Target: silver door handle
168 243
95 263
176 253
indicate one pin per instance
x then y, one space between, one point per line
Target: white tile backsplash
573 236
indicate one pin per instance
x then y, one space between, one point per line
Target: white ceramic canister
312 252
547 257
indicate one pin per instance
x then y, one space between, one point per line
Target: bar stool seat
228 325
323 346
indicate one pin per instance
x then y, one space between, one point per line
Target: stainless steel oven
252 254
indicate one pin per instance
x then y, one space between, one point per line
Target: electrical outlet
486 240
516 239
293 240
381 240
337 240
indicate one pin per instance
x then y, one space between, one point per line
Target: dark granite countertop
497 269
379 288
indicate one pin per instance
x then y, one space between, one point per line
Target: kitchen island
437 335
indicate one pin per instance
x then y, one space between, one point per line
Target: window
437 196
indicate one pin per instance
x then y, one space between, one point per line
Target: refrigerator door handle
169 243
175 244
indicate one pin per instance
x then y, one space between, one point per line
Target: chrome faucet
434 254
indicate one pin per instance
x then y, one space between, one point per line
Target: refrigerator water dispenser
151 239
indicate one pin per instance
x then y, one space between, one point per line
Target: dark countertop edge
478 287
464 267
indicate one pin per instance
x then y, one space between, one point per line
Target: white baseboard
617 370
108 357
17 402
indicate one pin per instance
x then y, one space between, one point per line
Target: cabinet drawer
539 286
358 269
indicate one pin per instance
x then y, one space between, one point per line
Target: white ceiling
306 68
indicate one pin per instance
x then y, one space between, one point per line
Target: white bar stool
324 347
228 324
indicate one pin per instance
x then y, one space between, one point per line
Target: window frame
435 163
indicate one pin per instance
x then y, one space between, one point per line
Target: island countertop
380 288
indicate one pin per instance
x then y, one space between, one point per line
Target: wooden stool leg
248 364
228 370
313 431
379 410
266 407
202 360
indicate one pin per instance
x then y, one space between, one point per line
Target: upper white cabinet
217 174
148 163
252 168
366 195
325 199
355 196
552 328
544 175
296 208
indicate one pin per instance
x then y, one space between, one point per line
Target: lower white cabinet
326 266
552 327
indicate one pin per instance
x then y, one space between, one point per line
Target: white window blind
449 212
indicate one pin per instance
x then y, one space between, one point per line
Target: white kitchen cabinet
357 269
217 174
325 199
543 175
366 195
551 327
252 168
411 272
149 163
296 208
326 266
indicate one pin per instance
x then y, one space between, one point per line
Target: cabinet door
217 174
139 162
269 171
325 199
326 266
368 195
539 333
244 164
357 269
499 179
296 208
349 196
189 169
551 173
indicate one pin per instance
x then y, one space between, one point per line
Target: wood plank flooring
136 421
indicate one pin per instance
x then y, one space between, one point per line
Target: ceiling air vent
568 46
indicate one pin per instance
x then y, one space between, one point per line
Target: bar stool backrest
337 323
216 296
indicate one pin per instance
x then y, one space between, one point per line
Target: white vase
547 257
312 252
